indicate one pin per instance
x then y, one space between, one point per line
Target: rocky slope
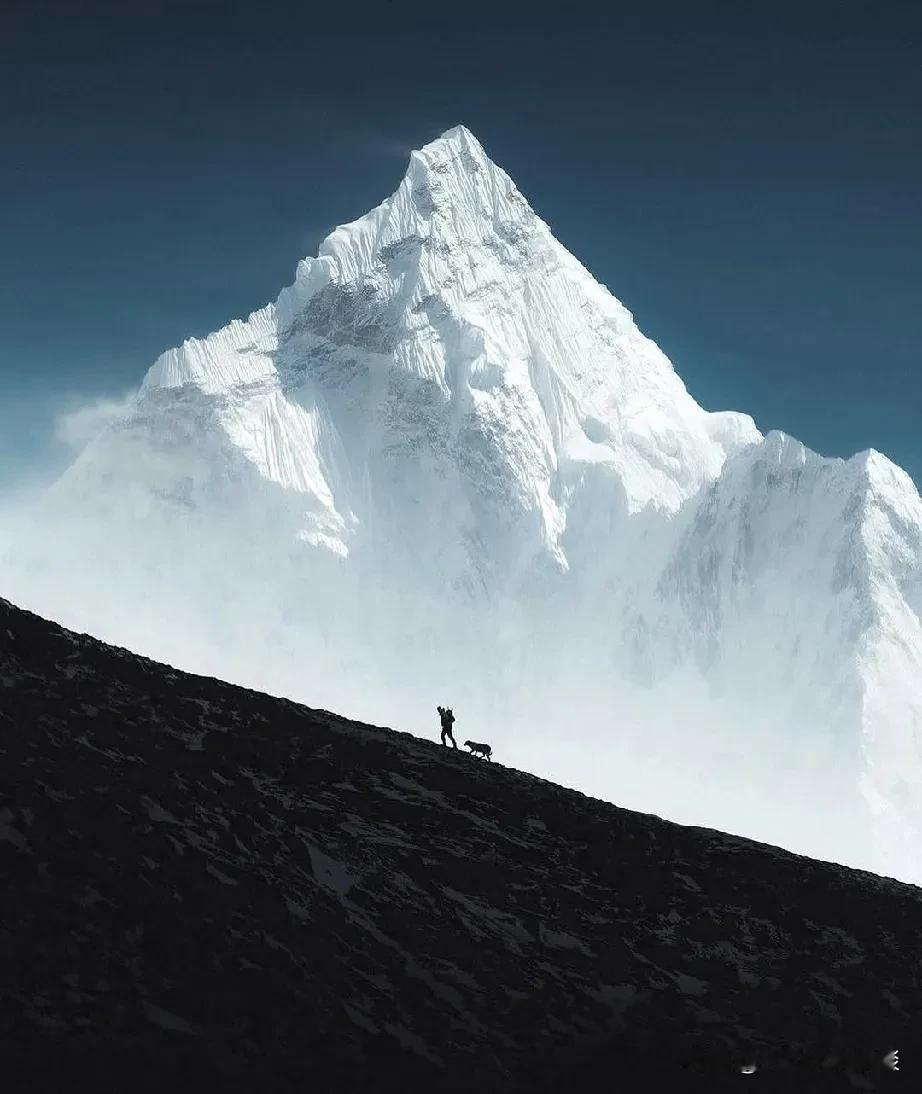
206 888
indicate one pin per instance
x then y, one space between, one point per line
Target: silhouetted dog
483 750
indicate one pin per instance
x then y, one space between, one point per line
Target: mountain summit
448 332
446 463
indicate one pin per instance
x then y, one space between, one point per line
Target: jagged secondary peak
892 532
886 476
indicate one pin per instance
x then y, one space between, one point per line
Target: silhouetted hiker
447 718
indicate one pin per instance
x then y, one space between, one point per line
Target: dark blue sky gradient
748 182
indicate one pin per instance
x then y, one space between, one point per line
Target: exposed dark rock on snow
208 888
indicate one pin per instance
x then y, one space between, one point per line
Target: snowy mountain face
446 465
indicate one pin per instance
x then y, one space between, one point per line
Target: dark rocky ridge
205 888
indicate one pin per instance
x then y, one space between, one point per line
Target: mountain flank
207 888
444 416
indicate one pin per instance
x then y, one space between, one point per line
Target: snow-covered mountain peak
452 203
455 166
453 298
393 230
445 449
456 139
886 477
451 196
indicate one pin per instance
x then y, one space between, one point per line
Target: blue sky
746 179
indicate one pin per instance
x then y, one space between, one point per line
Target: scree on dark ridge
206 888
